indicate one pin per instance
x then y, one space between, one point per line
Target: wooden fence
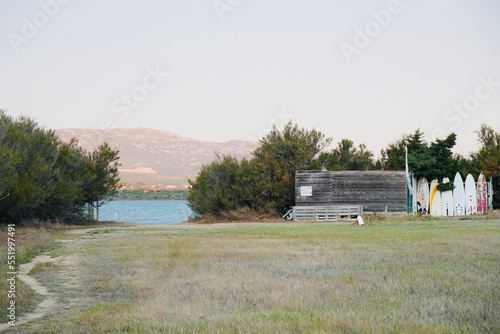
327 213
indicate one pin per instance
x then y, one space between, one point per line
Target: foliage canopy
43 178
267 181
264 183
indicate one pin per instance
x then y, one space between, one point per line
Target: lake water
149 212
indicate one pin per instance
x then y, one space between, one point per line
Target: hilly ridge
153 157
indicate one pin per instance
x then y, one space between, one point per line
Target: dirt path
63 291
68 281
48 301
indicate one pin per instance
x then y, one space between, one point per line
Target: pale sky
219 70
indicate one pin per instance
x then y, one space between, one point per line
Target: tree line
43 178
266 182
164 194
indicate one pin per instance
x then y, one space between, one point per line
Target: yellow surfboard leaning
436 209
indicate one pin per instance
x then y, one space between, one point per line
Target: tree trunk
97 209
91 212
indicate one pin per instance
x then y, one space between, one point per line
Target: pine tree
101 170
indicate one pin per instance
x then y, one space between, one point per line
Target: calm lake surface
148 212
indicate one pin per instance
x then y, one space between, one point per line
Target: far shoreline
147 199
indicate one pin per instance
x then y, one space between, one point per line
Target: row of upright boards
465 199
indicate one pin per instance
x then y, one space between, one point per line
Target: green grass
398 276
104 231
44 267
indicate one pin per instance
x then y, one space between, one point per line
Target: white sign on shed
306 191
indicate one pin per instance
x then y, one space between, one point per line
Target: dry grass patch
244 214
493 214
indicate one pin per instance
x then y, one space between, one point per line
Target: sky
219 70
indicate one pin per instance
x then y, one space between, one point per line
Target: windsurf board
447 200
414 195
436 209
490 193
458 195
482 200
423 196
470 195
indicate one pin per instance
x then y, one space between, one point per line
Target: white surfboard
436 209
470 195
458 195
447 200
490 193
414 195
423 196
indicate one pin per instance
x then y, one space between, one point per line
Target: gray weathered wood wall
376 191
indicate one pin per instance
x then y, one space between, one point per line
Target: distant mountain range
153 157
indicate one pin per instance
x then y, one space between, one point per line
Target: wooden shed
374 191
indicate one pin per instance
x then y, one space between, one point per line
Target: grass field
429 276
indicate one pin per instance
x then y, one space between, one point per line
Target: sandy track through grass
65 289
48 302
